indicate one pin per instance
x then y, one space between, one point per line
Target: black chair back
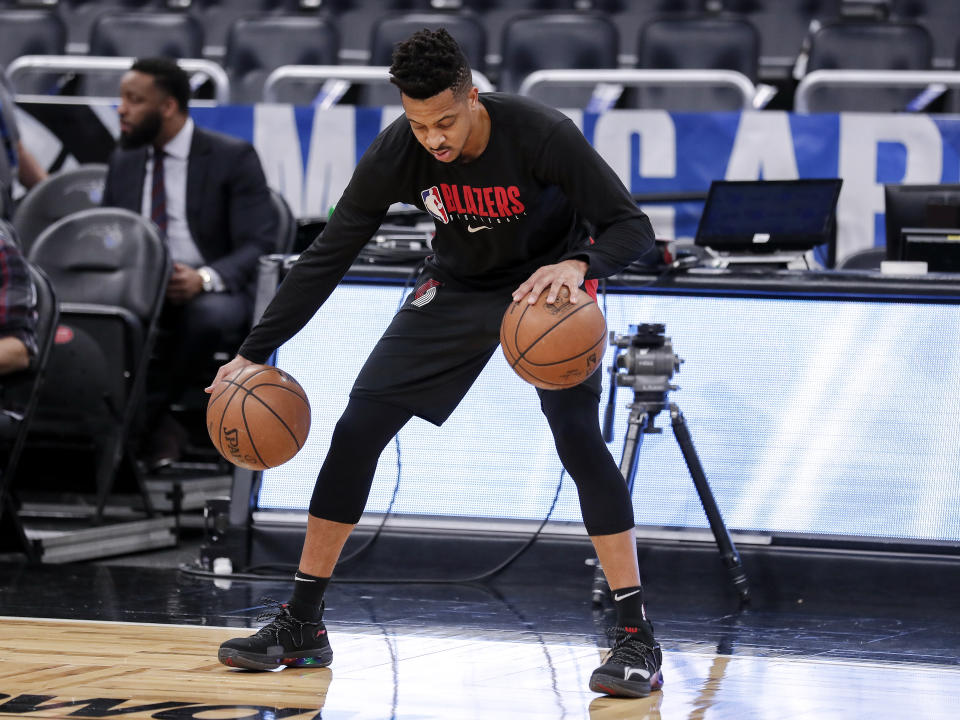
61 194
704 43
32 32
139 34
867 46
105 256
147 34
557 41
80 15
783 25
941 18
465 28
218 16
257 46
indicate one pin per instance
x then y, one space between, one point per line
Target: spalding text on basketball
232 436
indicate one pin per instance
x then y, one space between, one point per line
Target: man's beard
144 133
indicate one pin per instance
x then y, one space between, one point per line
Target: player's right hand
228 369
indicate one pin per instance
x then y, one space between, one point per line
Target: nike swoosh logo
473 229
300 579
618 598
645 674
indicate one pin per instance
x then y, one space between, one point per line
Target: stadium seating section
774 42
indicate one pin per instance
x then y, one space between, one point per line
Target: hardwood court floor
85 669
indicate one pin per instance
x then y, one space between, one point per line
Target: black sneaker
284 642
632 669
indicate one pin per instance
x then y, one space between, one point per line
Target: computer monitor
939 248
766 216
918 206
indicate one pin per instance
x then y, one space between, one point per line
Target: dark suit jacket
229 211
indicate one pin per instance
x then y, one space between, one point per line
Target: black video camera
647 362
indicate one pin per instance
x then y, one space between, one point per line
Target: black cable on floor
481 577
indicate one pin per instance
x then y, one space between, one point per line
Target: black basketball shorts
436 346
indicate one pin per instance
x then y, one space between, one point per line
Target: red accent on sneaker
320 632
631 629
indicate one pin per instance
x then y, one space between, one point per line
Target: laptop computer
767 221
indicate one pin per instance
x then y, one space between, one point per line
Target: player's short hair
168 76
429 62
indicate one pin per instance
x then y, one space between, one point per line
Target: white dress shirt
176 156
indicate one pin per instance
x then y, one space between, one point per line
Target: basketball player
515 191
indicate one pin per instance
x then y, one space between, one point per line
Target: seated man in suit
207 194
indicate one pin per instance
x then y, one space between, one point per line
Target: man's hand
185 284
227 370
552 278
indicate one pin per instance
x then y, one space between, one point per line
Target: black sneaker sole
252 661
611 685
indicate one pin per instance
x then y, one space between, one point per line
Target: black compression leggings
366 427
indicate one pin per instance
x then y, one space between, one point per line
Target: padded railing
97 63
869 78
644 77
349 73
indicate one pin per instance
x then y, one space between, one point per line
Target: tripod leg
728 550
636 424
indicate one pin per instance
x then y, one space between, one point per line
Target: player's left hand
185 284
551 278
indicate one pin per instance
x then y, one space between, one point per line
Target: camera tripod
650 362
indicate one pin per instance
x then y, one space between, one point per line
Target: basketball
259 418
554 346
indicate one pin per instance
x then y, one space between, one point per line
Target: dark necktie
158 194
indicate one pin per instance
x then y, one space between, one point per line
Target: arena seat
218 16
783 25
630 16
941 18
147 34
79 16
21 394
258 45
695 43
557 40
465 28
496 14
109 268
57 196
142 34
355 20
867 46
32 32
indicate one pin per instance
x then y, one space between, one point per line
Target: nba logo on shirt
434 205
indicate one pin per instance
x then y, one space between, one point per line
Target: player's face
444 123
143 107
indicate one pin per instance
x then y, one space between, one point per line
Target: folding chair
110 269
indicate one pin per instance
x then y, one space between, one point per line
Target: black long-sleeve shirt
535 196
